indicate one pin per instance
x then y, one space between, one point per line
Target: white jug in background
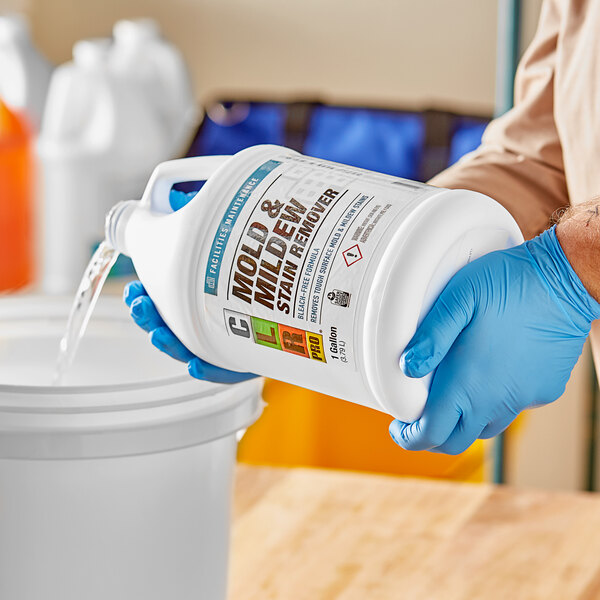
141 54
99 141
24 72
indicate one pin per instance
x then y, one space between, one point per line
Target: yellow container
302 428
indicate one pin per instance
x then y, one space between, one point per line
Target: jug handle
166 174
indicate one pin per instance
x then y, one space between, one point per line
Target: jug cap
91 53
136 30
13 26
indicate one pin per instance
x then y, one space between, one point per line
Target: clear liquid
85 300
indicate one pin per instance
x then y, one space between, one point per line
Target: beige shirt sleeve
520 160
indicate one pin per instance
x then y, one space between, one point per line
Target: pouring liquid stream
85 300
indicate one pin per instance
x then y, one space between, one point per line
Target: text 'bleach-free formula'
304 270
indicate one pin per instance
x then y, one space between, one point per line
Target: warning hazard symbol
352 255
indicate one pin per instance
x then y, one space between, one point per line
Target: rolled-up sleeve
519 162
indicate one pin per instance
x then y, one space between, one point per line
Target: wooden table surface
302 534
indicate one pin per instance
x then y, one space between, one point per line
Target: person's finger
145 315
439 419
133 290
179 199
200 369
497 426
450 314
465 433
166 341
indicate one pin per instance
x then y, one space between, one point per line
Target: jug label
228 223
292 250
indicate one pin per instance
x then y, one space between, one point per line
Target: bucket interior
113 352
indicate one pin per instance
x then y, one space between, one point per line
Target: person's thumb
450 314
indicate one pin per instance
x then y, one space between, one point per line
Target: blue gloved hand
145 315
503 336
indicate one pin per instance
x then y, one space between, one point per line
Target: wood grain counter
304 534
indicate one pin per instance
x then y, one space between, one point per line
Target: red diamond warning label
352 255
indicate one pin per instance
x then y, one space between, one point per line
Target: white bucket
118 485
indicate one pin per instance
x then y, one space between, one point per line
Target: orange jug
16 192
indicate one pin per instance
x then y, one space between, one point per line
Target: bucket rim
114 420
95 397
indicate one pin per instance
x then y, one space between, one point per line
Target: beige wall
382 52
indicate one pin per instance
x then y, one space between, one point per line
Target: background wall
382 52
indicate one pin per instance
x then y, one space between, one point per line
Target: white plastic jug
304 270
141 54
100 140
117 486
24 72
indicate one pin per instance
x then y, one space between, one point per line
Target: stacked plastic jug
121 106
24 76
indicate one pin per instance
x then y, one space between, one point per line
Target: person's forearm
578 232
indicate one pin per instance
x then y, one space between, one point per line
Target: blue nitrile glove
145 315
504 336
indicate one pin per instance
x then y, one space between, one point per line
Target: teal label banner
217 250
